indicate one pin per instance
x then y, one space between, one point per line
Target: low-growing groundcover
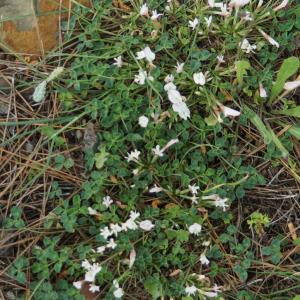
161 161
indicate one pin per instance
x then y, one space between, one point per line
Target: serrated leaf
153 287
288 68
241 67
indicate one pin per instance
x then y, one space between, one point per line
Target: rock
31 26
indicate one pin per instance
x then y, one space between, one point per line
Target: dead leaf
113 179
120 4
175 273
132 257
121 205
87 293
227 95
292 230
155 203
203 149
89 136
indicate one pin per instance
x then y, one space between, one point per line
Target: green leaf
241 67
101 158
297 242
292 112
278 144
288 68
296 297
259 124
154 287
295 131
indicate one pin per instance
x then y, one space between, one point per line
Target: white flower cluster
177 100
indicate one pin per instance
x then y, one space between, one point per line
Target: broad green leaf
278 144
101 158
296 297
259 124
241 68
292 112
295 131
288 68
154 287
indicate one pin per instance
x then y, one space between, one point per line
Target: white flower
170 86
262 91
283 4
111 244
118 61
199 78
105 232
85 264
190 290
147 54
40 92
211 3
260 3
269 39
144 11
291 85
143 121
78 284
107 201
247 16
220 59
193 24
170 143
182 110
169 78
157 151
91 273
195 229
203 259
238 3
206 243
146 225
208 21
101 249
194 199
94 288
209 294
246 46
194 189
92 211
133 155
222 202
155 15
141 77
55 73
115 228
174 96
179 67
129 224
155 189
134 215
227 112
217 201
224 12
118 293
